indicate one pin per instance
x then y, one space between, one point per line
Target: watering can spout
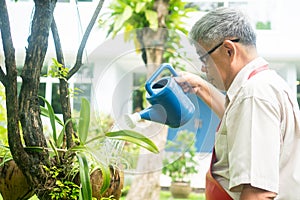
132 119
155 113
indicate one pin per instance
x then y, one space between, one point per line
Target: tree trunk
27 110
9 81
17 181
63 89
29 101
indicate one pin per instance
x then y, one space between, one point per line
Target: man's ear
230 47
229 52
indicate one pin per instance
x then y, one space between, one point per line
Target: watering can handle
156 74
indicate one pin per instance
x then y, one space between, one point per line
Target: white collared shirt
258 141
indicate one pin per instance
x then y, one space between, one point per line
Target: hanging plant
130 16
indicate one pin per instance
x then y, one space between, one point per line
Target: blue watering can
170 105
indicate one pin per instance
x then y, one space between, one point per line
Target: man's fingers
186 87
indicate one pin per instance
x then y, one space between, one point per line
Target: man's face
210 63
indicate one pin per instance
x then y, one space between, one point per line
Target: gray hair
223 23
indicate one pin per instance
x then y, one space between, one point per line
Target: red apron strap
257 70
213 189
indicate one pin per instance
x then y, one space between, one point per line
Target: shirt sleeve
254 144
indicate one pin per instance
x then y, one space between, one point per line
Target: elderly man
257 146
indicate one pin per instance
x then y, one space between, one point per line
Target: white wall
115 62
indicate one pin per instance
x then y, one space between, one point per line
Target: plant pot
115 187
116 183
180 190
13 183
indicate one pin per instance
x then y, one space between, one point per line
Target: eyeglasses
203 58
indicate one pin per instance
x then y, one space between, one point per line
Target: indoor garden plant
181 163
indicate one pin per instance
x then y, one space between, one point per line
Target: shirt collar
243 75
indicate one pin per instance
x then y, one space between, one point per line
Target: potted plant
181 163
82 176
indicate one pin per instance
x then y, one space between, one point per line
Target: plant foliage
3 128
182 161
84 155
130 16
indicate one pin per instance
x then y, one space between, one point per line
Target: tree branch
3 77
14 138
29 106
63 88
35 55
88 30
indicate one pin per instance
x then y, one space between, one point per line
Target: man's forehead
199 49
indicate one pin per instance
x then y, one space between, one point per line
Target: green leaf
151 17
79 148
127 12
60 138
105 176
62 133
121 18
56 63
57 70
139 6
52 119
134 137
119 23
84 121
7 157
86 188
34 149
45 113
100 138
55 151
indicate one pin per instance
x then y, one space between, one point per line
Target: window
42 92
81 90
138 96
298 92
49 87
55 100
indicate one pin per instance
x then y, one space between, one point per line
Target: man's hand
253 193
208 93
